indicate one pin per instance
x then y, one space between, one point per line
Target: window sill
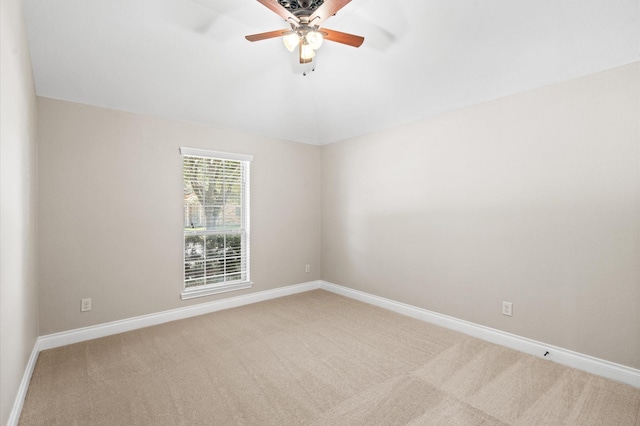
210 290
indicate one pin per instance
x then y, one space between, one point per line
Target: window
216 222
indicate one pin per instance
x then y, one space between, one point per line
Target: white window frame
210 289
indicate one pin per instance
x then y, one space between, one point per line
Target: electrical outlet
507 309
85 305
307 268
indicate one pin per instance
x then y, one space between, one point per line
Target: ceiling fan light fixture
291 41
305 18
314 38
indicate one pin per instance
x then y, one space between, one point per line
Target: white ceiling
188 59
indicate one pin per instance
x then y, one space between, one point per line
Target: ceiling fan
305 18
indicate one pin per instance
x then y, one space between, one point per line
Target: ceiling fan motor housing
301 7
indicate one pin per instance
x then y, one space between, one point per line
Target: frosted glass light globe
314 39
306 52
291 41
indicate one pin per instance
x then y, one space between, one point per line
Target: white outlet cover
85 305
507 309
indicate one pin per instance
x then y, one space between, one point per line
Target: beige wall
18 289
532 199
110 209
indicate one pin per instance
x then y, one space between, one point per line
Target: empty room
320 212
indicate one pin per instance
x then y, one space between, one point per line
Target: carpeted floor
312 359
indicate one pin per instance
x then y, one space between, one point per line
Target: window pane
194 266
214 216
233 258
215 246
232 216
194 248
193 215
215 270
214 172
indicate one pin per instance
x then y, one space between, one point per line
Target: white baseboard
14 416
610 370
107 329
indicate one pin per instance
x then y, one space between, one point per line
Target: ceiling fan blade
264 36
327 10
274 6
340 37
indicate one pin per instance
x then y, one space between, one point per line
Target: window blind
216 219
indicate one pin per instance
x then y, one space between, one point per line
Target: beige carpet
312 359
